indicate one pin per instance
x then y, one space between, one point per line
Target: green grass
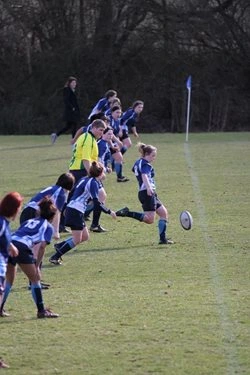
128 305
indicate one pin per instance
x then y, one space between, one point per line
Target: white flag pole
188 106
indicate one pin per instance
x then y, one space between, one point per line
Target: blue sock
7 289
136 215
36 292
63 247
162 226
118 169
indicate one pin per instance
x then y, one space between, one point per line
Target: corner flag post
188 85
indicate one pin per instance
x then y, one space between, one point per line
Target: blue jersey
142 166
56 193
129 119
104 153
34 231
5 237
86 189
101 106
115 124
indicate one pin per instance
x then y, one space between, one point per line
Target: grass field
126 304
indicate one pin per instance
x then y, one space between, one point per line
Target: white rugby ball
186 220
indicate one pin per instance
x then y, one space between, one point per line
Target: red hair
10 204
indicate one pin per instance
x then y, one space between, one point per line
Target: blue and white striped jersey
55 192
142 166
101 106
104 154
86 189
34 231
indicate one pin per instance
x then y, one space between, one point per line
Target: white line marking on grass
226 325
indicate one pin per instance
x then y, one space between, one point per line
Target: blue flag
189 82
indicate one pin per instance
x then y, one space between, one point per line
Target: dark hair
110 93
145 149
47 209
115 100
10 204
107 129
98 124
136 103
115 108
66 181
99 116
69 80
96 169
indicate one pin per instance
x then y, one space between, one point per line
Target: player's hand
150 192
113 214
108 170
13 251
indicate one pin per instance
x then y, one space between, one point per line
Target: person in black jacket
71 113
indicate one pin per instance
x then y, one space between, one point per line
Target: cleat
4 314
45 284
98 229
122 212
53 138
166 242
122 179
47 313
55 261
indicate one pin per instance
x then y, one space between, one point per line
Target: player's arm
146 182
99 205
134 131
13 250
55 223
40 253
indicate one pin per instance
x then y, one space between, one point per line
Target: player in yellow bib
85 150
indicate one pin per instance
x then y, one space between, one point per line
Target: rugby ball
186 220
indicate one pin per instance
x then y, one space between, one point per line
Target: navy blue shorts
124 135
74 219
25 255
149 203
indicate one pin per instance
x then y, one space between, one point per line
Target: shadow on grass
75 252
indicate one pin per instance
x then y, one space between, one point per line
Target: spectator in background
71 113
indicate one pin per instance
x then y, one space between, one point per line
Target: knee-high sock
63 247
136 215
36 292
96 216
7 289
162 226
118 169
